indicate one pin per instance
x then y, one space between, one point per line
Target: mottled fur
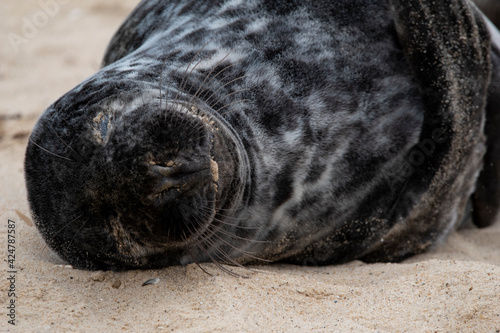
338 134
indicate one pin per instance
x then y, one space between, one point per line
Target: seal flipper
447 46
486 198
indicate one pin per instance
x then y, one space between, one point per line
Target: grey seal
307 132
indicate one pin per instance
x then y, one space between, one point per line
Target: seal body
234 131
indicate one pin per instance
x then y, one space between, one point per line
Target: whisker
215 76
229 104
224 85
167 92
49 152
189 65
206 77
199 245
225 258
197 263
57 233
230 94
220 221
215 231
246 253
224 269
69 147
197 127
229 218
76 233
163 70
241 238
234 225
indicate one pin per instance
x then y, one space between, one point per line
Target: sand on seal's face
455 288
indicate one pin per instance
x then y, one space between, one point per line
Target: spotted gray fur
340 129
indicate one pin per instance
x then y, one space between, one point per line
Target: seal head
134 181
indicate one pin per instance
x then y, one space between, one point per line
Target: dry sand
454 288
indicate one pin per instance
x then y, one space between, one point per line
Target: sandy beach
45 52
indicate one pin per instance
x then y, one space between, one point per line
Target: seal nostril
162 171
168 183
175 181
